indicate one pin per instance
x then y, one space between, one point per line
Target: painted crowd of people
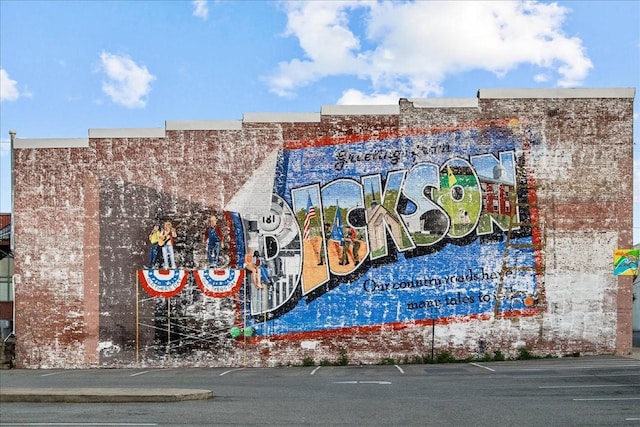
162 241
162 244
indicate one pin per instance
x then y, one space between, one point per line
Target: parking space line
559 367
606 398
574 376
399 369
138 373
79 424
483 367
231 370
363 382
52 373
589 386
314 371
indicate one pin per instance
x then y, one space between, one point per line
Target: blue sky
66 67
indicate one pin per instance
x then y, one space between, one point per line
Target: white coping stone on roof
557 93
51 143
280 117
444 102
204 125
359 110
127 133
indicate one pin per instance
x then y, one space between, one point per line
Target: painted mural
625 262
365 232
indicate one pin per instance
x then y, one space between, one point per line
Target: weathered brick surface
82 216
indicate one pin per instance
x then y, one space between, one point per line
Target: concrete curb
101 395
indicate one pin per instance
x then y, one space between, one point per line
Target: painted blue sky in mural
140 63
415 278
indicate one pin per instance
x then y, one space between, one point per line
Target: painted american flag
311 212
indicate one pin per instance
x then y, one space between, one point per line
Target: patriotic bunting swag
219 283
163 283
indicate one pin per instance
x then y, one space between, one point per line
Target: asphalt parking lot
583 391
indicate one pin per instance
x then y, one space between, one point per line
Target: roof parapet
328 110
281 117
444 102
204 125
557 93
51 143
127 133
359 110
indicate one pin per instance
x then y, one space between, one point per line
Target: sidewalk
102 395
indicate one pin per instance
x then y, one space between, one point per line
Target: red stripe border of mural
163 283
395 326
391 133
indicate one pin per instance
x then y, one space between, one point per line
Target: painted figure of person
263 268
323 249
214 240
355 244
154 237
351 244
252 264
346 244
166 241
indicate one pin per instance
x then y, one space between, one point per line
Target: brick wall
83 212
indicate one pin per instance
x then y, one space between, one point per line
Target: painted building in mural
356 232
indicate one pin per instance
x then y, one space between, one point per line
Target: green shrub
524 354
498 356
445 357
343 360
388 361
308 361
418 360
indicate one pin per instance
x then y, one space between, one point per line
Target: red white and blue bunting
163 283
219 283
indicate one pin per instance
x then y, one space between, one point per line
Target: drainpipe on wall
12 138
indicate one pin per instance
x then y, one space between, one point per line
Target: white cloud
8 87
128 83
411 47
541 78
200 8
356 97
